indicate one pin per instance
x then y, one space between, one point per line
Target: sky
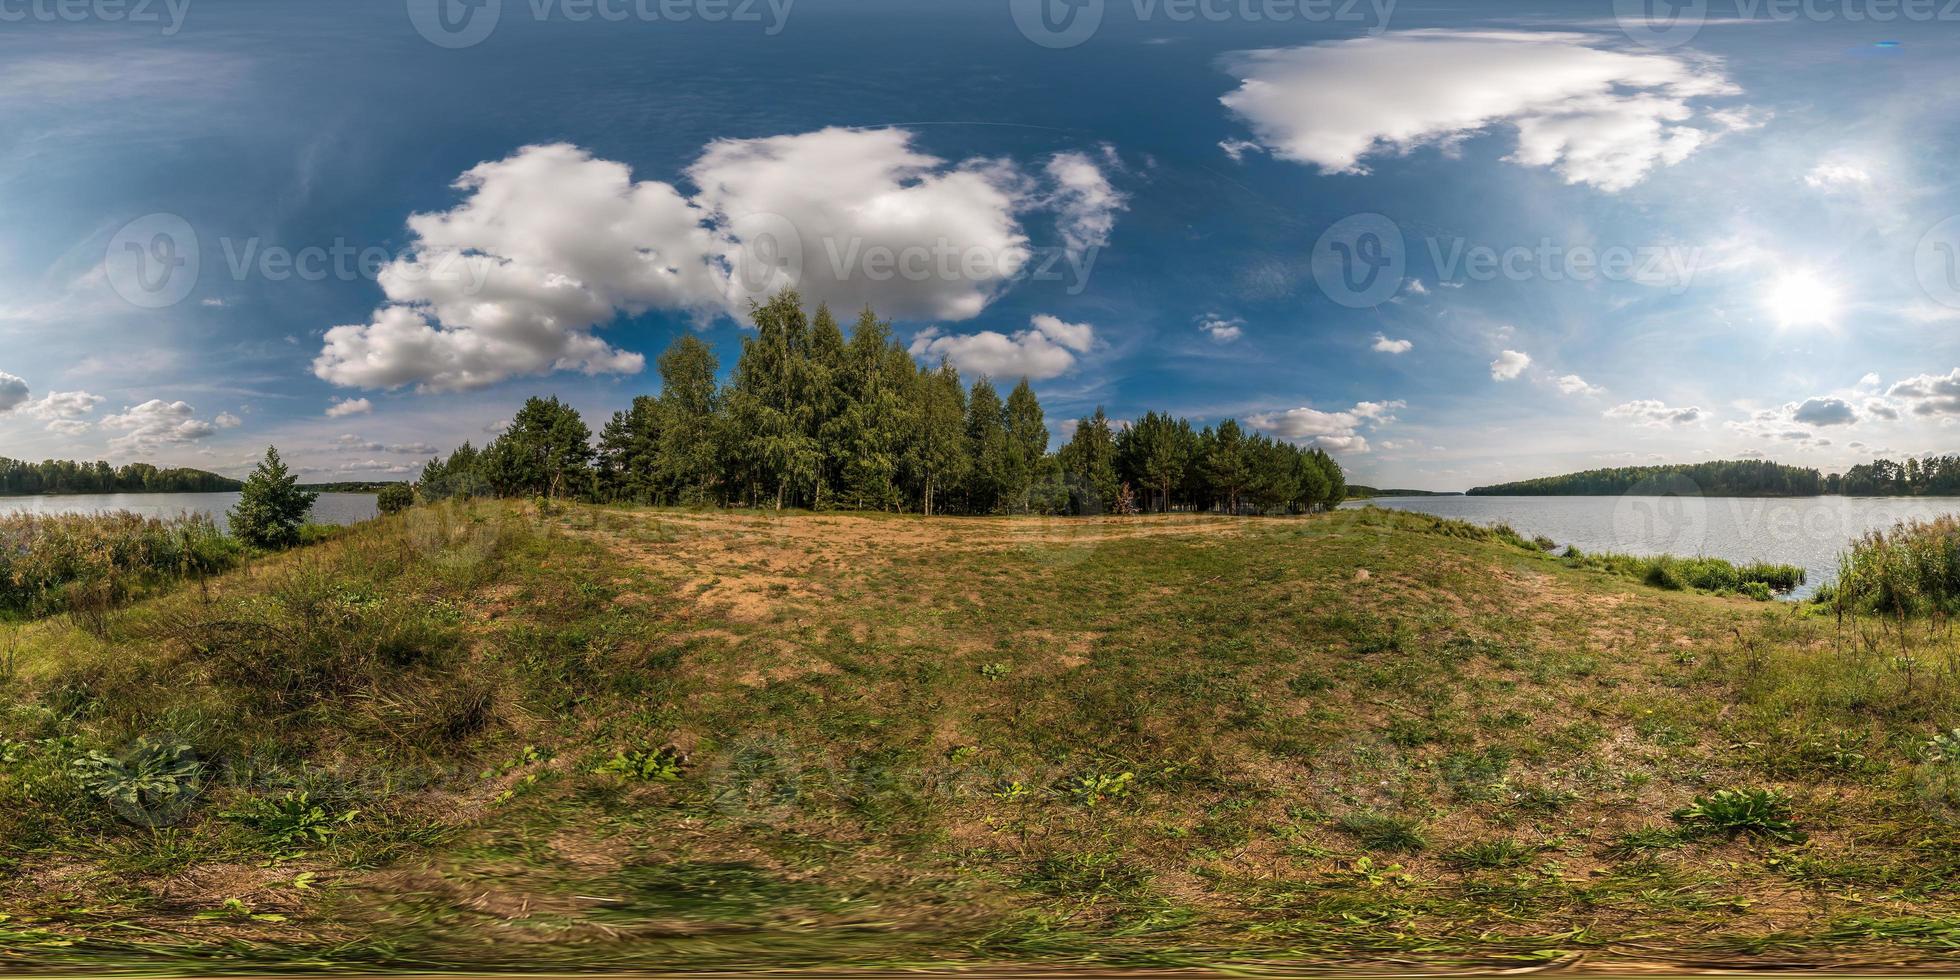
1451 243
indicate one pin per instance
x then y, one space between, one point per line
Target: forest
1935 476
20 478
812 419
1728 478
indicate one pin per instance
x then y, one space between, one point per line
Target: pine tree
629 454
1225 465
1089 465
1029 434
271 506
990 474
546 452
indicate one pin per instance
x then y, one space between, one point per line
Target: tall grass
1913 569
66 562
1756 579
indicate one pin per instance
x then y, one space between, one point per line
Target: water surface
331 508
1808 532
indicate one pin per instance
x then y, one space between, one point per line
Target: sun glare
1802 299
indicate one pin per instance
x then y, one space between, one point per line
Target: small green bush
151 783
660 765
1740 812
292 820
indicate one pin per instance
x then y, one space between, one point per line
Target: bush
151 784
1757 580
49 563
1911 570
394 498
1738 812
272 508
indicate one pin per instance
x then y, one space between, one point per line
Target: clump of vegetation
271 509
1092 788
51 563
292 820
1740 812
1911 570
1756 580
1490 855
395 498
151 783
1383 832
659 765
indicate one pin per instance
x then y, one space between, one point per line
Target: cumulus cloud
1509 365
1595 115
1880 409
1330 431
156 423
64 411
1655 414
1824 411
1387 346
1930 394
552 243
13 392
1572 384
1046 349
343 407
1221 329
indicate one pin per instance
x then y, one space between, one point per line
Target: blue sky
1452 243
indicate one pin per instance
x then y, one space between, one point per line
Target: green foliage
545 452
1092 788
150 782
1911 570
293 820
1727 478
1490 855
271 507
1736 812
659 765
395 498
19 477
1757 580
50 563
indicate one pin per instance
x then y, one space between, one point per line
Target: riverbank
599 738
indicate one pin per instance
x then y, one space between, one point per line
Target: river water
1808 532
331 508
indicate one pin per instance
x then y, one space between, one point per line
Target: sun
1802 299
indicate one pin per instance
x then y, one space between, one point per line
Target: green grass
1755 580
482 736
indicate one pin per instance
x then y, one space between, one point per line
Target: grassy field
488 736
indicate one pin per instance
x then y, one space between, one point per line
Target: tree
690 407
1225 465
991 475
1153 453
629 454
1029 434
271 507
395 498
939 452
546 452
1089 465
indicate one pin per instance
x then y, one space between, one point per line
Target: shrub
49 563
1383 832
1910 570
1755 579
272 508
394 498
1738 812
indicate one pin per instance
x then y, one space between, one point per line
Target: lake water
1808 532
331 508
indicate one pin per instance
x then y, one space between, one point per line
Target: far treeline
20 478
814 420
1931 476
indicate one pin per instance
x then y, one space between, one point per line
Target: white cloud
1654 414
13 392
1237 149
1930 394
552 243
155 424
64 411
1085 203
226 420
1509 365
1836 176
1222 329
343 407
1414 287
1593 114
1046 349
1331 431
1572 384
1387 346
